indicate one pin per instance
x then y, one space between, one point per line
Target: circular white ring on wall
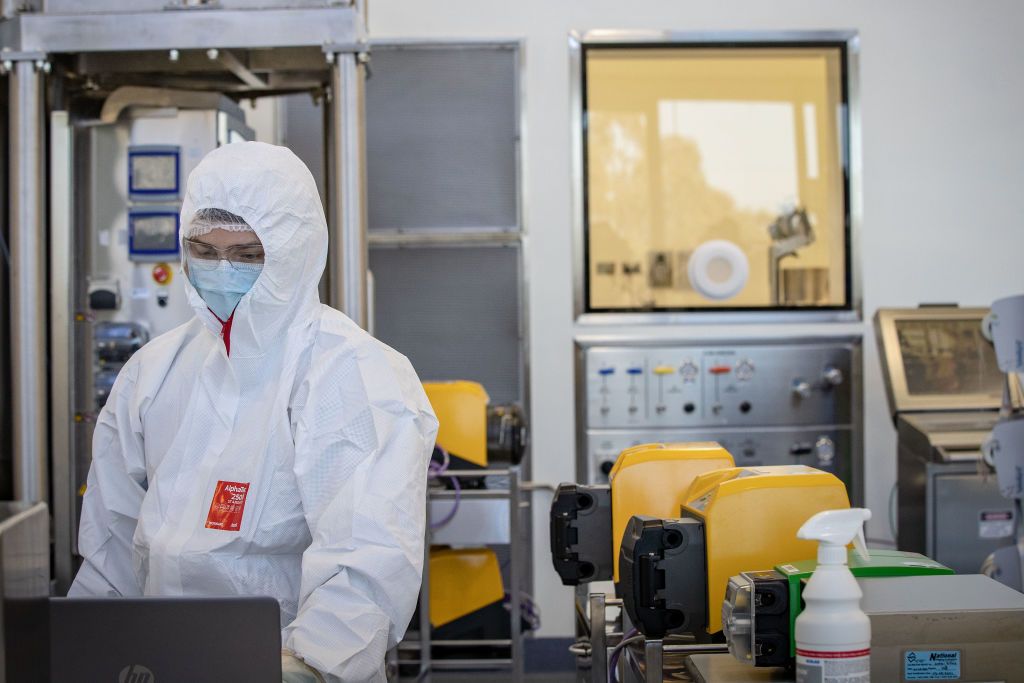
718 269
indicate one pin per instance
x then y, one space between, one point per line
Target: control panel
708 386
825 448
773 402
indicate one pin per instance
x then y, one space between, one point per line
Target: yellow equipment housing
654 478
751 516
461 409
462 582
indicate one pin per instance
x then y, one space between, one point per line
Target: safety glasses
236 255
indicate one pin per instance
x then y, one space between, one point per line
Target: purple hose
613 661
437 470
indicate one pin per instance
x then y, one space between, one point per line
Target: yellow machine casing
751 516
461 409
653 479
462 581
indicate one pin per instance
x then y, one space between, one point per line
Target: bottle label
851 666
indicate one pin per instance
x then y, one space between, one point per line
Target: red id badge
227 506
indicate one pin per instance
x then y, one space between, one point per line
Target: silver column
62 388
347 256
28 286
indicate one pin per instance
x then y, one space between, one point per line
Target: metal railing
423 645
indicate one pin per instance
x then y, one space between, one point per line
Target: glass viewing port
716 177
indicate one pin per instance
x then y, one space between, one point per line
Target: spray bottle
833 635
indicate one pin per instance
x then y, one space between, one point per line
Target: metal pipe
471 664
28 286
498 642
696 649
425 625
347 255
62 388
515 574
652 657
598 641
6 445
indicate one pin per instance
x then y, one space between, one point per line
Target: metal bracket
653 660
241 71
598 638
9 57
360 48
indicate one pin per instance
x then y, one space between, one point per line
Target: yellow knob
664 370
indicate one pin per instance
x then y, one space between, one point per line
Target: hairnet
207 220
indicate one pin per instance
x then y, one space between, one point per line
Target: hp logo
134 673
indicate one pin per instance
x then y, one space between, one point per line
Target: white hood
275 193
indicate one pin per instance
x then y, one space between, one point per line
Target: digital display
154 233
153 171
947 357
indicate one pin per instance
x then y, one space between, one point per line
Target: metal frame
346 177
490 236
603 643
425 644
576 43
483 232
28 242
185 29
334 34
62 380
483 236
897 392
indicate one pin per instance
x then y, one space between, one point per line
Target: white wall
943 162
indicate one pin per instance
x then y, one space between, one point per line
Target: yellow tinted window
715 178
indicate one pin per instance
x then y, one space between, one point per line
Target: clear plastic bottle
833 635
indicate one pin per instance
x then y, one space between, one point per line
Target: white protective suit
327 430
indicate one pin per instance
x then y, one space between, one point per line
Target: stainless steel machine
105 114
944 389
769 402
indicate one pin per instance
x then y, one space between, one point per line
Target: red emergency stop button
162 274
720 369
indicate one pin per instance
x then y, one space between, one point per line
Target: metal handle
832 376
802 388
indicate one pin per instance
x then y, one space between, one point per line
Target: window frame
847 44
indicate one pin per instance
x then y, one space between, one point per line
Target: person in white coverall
269 446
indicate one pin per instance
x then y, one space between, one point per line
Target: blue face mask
221 284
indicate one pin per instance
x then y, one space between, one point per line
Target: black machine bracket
663 576
581 530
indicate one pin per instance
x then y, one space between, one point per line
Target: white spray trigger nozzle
835 529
